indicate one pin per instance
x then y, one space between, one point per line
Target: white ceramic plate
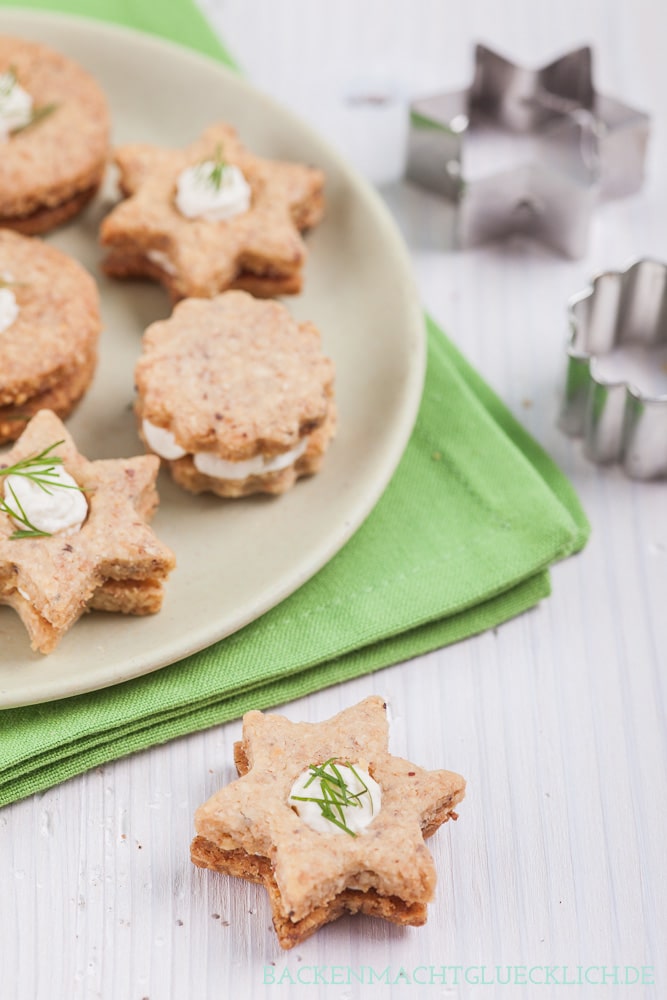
235 559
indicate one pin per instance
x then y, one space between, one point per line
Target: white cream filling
59 508
199 197
162 441
164 444
9 309
162 260
219 468
16 105
361 790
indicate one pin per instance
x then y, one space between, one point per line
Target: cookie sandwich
49 331
210 217
327 820
74 534
235 395
54 136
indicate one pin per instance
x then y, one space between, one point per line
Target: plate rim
339 534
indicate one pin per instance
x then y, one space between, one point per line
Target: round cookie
53 158
48 351
235 395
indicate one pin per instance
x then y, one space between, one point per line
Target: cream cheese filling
16 105
212 191
9 309
59 509
341 798
162 260
163 443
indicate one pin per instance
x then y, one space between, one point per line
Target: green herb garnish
212 171
9 80
18 514
37 115
40 469
336 795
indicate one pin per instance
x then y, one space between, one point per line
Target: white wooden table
557 719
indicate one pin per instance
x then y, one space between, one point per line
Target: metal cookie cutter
624 313
584 147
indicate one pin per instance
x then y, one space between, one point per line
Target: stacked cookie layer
53 158
235 395
49 347
251 829
259 249
112 561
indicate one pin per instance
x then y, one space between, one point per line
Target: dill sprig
213 171
37 115
17 513
336 794
9 80
40 469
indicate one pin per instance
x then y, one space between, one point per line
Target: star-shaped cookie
259 250
114 562
250 829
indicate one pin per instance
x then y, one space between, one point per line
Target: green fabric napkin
460 541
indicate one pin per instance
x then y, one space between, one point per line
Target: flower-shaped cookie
259 248
114 562
235 395
250 828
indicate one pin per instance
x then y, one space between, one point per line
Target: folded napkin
460 541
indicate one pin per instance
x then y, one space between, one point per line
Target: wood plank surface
557 719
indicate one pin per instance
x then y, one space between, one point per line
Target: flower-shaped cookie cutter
585 147
618 421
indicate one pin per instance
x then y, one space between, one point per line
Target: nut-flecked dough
50 170
260 251
49 353
248 828
114 563
237 377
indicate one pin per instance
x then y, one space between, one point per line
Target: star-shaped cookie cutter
249 829
585 147
619 421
